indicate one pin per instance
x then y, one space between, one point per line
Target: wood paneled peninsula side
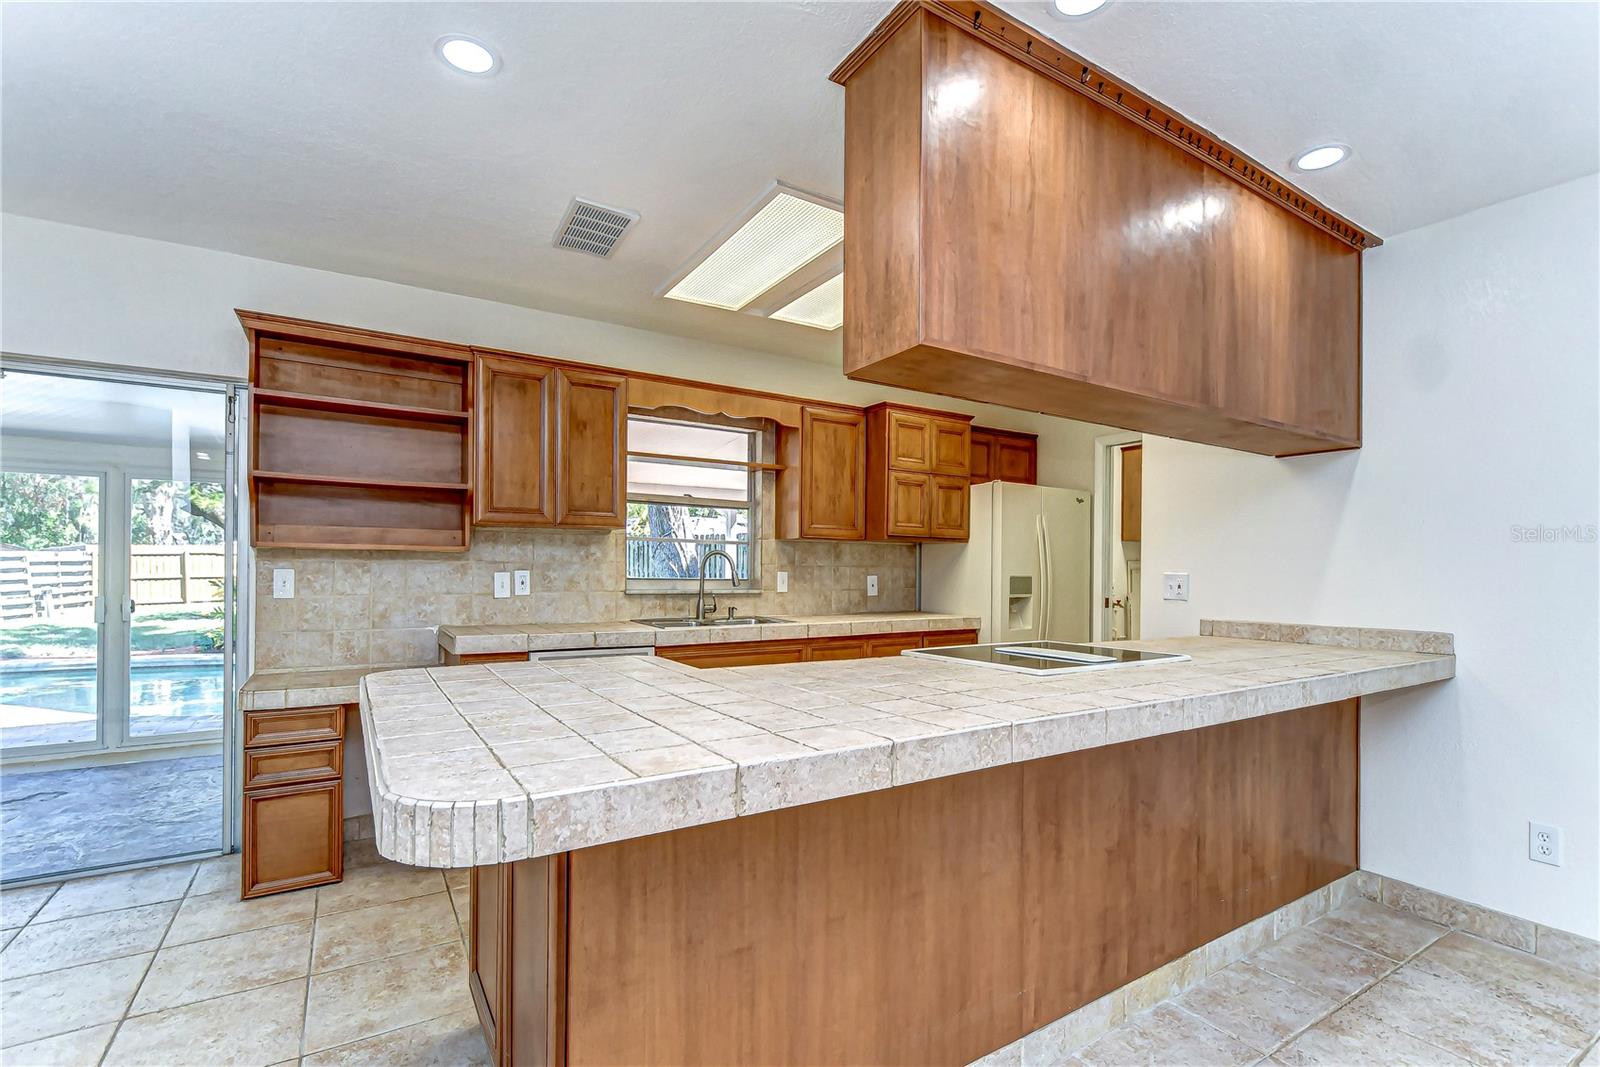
867 861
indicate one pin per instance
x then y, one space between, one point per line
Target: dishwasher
588 653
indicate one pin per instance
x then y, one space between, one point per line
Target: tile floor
167 966
1367 984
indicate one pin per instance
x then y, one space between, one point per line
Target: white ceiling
329 135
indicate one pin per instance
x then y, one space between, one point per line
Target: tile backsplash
354 609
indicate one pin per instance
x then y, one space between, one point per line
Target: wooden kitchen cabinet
1004 455
1132 493
1208 300
918 469
551 444
293 803
812 649
822 486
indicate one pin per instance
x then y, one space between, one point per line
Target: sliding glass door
116 589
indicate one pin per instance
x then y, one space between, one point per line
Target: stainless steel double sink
686 623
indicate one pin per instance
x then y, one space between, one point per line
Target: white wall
72 293
1480 354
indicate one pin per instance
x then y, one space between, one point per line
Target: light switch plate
521 583
283 583
783 581
502 584
1175 586
872 585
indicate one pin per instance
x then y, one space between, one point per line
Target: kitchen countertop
531 637
501 762
265 690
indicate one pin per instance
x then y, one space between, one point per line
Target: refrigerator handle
1049 576
1042 594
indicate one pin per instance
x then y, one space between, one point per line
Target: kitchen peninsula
866 861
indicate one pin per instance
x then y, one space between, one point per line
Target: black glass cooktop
1041 657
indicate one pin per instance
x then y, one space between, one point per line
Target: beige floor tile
86 939
452 1041
17 906
1369 925
1258 1008
1352 1037
377 884
363 853
1468 1021
1167 1035
64 1050
458 877
109 892
1323 965
217 914
260 1026
43 1005
350 937
372 998
215 876
1530 983
200 970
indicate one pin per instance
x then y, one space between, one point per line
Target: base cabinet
292 833
516 959
812 650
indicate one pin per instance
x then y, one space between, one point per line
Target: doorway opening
117 566
1118 535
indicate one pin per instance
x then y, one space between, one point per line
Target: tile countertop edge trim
413 830
1371 638
464 640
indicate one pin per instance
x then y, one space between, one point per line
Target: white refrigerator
1025 569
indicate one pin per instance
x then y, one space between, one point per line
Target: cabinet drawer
892 644
293 838
287 726
944 638
286 764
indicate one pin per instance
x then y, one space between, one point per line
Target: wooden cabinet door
1016 460
512 443
1132 492
293 838
833 474
910 440
981 458
909 505
591 448
948 508
892 644
485 950
945 638
951 447
736 654
835 648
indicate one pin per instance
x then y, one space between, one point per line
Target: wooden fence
42 583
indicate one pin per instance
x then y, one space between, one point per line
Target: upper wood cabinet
1004 455
918 464
591 448
822 486
514 442
1132 493
550 445
1010 237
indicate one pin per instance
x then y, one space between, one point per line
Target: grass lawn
178 630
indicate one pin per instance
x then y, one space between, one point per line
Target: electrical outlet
502 584
1174 586
872 585
283 583
783 581
1544 843
522 582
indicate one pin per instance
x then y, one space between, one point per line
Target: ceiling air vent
593 228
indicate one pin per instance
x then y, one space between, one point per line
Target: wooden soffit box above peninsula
1024 230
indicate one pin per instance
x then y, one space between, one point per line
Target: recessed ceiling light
822 307
466 55
783 231
1076 9
1322 157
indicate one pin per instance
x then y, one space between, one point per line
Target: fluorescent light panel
786 234
822 307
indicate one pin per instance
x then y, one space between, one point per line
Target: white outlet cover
1544 843
1175 585
783 581
872 585
502 584
283 583
522 584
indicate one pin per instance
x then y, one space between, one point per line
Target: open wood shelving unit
359 440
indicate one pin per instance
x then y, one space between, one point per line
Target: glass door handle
129 606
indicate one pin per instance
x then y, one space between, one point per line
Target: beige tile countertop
501 762
265 690
481 640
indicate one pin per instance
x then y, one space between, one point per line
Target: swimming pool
52 706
